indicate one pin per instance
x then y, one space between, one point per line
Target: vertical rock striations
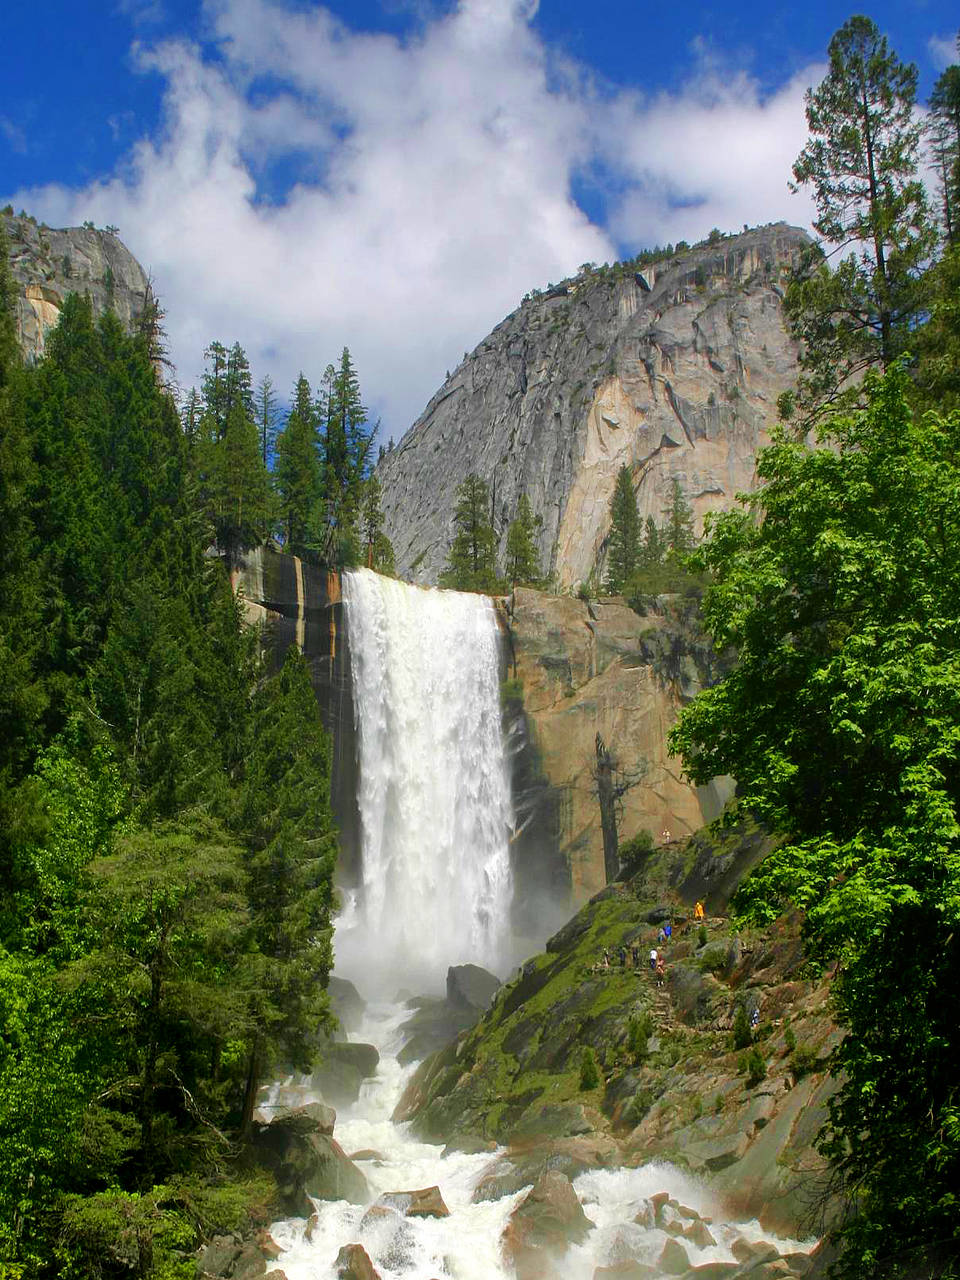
673 370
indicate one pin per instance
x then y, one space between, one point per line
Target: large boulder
346 1001
432 1025
353 1263
470 987
307 1162
544 1224
343 1069
425 1203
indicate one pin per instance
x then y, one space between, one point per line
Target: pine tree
22 699
945 140
624 545
523 560
378 552
292 848
471 564
266 417
239 487
862 164
347 449
677 537
297 474
651 547
215 393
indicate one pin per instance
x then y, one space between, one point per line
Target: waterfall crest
433 787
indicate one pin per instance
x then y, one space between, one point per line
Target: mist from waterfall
433 787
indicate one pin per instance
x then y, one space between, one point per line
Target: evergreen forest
166 842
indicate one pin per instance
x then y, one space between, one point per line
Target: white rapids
433 789
466 1245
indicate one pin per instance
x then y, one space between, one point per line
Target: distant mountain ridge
48 263
672 369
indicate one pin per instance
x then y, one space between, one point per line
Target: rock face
673 371
47 264
579 669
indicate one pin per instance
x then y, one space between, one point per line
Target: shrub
638 1106
634 851
803 1060
753 1065
702 936
741 1035
789 1039
639 1031
589 1071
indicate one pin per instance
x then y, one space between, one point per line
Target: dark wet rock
218 1257
471 987
432 1025
307 1162
347 1002
250 1263
353 1263
342 1070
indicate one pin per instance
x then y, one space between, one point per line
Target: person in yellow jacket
698 911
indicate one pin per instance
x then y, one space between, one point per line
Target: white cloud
716 155
943 51
435 185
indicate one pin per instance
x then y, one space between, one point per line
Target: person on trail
653 958
606 958
667 931
635 955
698 911
623 957
661 934
660 971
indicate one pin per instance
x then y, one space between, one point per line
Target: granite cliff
47 264
577 669
672 369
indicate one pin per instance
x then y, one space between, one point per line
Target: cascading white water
435 816
433 790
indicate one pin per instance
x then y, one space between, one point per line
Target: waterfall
433 787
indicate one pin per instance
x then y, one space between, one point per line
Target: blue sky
394 176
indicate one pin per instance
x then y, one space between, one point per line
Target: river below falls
466 1245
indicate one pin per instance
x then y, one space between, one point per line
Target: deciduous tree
838 587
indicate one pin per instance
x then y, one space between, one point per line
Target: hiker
661 935
698 911
654 957
660 971
635 955
667 931
606 958
755 1017
623 957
